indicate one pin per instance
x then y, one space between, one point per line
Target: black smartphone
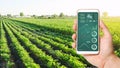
88 31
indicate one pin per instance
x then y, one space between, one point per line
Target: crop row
41 33
43 59
19 52
5 56
44 30
52 43
62 27
56 53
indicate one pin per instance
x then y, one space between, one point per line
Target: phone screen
87 39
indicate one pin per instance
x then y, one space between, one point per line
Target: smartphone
88 31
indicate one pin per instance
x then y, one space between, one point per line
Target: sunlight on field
65 25
47 40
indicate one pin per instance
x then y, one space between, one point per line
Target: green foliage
61 15
4 50
20 51
105 14
0 15
54 16
59 26
48 41
21 14
9 15
45 59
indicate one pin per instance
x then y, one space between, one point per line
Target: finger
89 55
74 45
75 25
105 29
74 37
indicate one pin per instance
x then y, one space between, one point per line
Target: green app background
87 31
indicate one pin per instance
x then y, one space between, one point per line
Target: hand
106 47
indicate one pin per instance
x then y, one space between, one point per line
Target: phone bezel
88 52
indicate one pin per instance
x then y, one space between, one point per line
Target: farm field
45 43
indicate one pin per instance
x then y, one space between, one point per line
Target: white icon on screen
93 20
90 20
94 33
94 40
94 46
89 16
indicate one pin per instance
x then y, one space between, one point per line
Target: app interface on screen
87 31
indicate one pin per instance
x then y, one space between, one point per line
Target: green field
45 43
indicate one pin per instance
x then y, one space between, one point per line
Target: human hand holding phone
106 57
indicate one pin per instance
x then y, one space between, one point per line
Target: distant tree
34 16
41 17
0 15
105 14
54 16
9 15
21 14
61 15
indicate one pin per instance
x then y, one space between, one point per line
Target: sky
49 7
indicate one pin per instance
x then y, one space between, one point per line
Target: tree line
53 16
